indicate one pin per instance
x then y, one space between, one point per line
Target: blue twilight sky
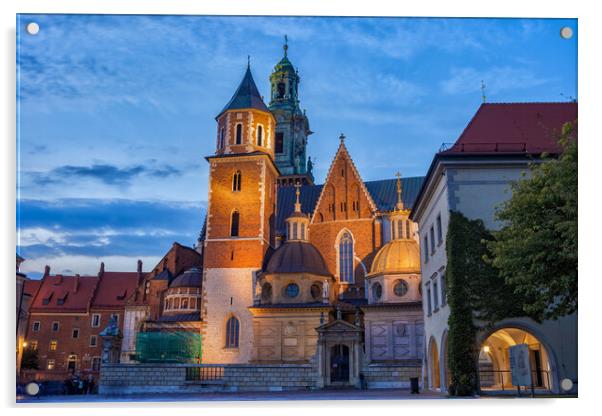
115 113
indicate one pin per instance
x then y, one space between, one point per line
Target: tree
30 359
536 251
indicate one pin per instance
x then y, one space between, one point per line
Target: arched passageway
494 360
434 369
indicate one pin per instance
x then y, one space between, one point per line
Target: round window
377 290
316 291
400 288
292 290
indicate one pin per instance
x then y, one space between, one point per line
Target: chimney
102 269
139 270
46 271
76 283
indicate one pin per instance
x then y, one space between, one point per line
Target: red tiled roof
30 287
114 288
54 288
515 128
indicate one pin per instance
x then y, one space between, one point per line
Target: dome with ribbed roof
297 257
190 278
397 256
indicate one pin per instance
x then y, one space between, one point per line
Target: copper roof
297 257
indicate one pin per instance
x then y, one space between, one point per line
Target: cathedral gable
344 195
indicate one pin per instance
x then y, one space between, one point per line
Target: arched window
259 135
346 258
408 236
239 134
236 180
295 226
302 231
232 327
234 224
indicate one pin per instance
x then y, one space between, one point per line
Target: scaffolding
168 347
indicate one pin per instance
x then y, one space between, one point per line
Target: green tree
536 251
29 360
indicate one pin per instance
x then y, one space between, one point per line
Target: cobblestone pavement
381 394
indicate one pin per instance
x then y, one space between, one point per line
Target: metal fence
503 379
205 373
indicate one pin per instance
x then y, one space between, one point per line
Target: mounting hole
33 28
566 32
566 384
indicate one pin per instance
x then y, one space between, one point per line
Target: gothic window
239 133
234 224
236 181
259 135
232 328
279 142
346 258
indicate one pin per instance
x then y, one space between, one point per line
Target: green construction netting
168 347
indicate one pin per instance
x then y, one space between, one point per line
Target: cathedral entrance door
339 364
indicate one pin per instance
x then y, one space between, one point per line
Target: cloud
496 79
106 173
99 228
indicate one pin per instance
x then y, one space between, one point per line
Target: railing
205 373
534 376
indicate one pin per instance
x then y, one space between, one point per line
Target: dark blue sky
117 112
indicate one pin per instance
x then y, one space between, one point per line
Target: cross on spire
297 194
342 138
285 47
248 61
399 205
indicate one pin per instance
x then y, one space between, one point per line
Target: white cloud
86 265
496 79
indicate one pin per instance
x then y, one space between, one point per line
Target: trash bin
414 388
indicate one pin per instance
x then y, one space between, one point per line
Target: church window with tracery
236 181
346 258
234 222
232 328
239 134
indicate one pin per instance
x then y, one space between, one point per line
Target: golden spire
298 194
399 205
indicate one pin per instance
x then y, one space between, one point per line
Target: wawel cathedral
287 271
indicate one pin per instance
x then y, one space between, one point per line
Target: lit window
36 326
33 345
399 229
53 345
408 229
234 222
238 133
50 365
96 320
184 303
232 327
346 258
93 340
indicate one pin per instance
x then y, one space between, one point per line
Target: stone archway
434 374
494 359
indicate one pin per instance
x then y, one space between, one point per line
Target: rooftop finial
248 61
285 47
399 201
342 138
297 194
483 91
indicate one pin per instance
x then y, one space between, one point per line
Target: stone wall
118 379
390 375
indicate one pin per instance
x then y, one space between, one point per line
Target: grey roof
297 257
190 278
383 192
164 275
246 96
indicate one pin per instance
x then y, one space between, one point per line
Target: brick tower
240 222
